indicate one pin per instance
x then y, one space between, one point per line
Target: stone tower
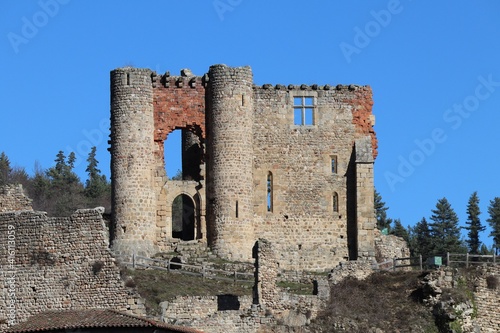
132 157
230 161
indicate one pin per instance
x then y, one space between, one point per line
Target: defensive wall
49 263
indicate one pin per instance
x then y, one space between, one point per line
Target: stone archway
183 218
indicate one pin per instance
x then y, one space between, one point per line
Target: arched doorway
183 217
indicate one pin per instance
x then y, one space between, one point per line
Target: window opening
334 164
236 212
335 202
128 79
303 108
172 151
269 192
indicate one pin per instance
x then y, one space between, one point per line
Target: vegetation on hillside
391 302
156 286
441 233
58 190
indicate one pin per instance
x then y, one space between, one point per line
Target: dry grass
385 300
158 286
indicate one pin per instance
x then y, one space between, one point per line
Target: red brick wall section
180 105
362 101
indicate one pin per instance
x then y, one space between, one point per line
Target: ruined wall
268 309
179 103
388 247
12 198
58 263
487 297
304 225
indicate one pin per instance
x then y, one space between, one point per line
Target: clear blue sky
434 67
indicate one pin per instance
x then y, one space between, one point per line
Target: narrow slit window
269 192
334 166
335 202
303 111
128 79
236 210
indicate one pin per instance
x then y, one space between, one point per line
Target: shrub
97 266
492 282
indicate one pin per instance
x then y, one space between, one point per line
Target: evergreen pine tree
5 169
380 212
38 189
97 188
445 231
474 224
484 251
400 231
421 240
494 222
65 190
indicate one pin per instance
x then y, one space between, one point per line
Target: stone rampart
58 263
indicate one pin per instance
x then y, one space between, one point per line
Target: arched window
335 203
269 191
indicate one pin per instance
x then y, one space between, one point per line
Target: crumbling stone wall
58 263
487 298
476 307
12 198
268 309
388 247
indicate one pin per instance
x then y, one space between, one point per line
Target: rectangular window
334 164
335 203
303 111
269 191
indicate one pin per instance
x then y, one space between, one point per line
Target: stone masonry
49 263
292 164
12 198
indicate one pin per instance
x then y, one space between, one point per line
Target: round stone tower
230 161
132 160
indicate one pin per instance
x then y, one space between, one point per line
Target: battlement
338 87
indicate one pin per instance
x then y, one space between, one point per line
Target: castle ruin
292 164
